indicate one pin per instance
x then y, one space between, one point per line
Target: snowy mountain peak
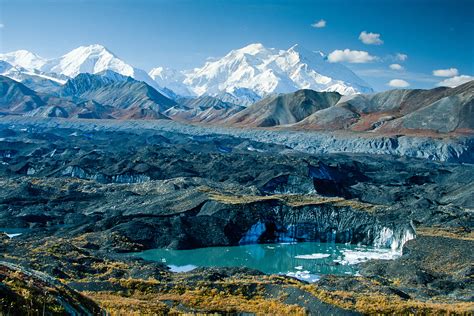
171 79
252 49
23 58
92 59
262 71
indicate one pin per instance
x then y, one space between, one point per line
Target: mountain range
110 95
243 76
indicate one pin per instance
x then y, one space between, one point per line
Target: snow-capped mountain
33 79
171 79
84 59
24 59
255 70
243 76
94 59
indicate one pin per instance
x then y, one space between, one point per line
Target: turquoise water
306 261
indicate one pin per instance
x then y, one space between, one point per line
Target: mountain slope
452 110
284 109
16 98
205 109
130 98
33 79
440 110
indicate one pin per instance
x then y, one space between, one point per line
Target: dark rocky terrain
88 193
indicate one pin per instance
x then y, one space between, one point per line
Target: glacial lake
305 261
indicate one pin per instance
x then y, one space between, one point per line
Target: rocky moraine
86 196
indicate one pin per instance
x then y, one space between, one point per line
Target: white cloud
396 67
370 38
451 72
320 24
401 57
350 56
455 81
398 83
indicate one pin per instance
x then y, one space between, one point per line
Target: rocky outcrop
26 291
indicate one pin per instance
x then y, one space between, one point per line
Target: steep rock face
229 221
325 222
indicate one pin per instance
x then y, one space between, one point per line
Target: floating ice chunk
13 235
299 268
304 275
185 268
358 256
313 256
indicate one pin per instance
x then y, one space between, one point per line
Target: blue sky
182 34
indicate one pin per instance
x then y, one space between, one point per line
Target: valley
89 195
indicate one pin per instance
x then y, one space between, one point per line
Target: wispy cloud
350 56
319 24
451 72
396 67
455 81
398 83
2 25
389 73
401 57
370 38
